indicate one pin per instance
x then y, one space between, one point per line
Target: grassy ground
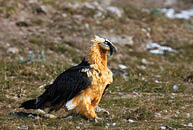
154 92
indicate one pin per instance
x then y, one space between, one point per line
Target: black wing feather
66 86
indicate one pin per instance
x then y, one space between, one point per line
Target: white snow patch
184 14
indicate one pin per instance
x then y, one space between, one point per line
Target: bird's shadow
25 114
34 116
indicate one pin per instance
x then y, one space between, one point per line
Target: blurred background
153 68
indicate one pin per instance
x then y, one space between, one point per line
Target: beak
112 48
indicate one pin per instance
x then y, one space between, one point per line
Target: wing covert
71 82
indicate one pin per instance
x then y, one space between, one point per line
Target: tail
30 104
41 102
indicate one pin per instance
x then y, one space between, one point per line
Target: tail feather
40 103
48 99
30 104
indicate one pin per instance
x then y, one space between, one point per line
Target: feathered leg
87 109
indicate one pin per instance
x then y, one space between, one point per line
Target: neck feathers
97 57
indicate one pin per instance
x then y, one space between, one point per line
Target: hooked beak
112 48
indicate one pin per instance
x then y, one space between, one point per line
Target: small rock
107 125
131 121
144 61
175 87
33 1
64 15
31 116
156 81
41 111
87 26
169 3
50 116
113 124
89 5
115 11
163 127
23 127
157 114
13 50
187 115
189 125
41 10
122 40
123 67
77 127
105 2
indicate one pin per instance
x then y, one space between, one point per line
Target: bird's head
105 45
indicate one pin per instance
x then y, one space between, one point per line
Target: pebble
131 121
121 66
13 50
175 87
163 127
23 127
114 10
77 127
113 124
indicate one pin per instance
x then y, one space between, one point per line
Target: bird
80 87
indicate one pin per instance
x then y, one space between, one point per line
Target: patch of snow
170 13
152 45
157 51
155 48
184 14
